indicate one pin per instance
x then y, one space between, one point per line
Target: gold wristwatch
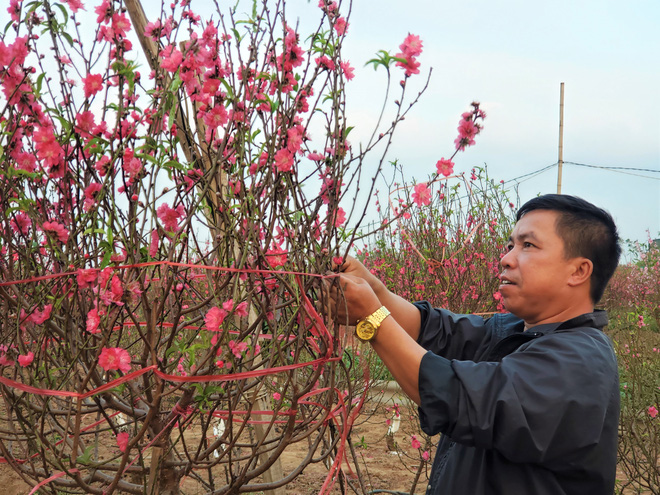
367 328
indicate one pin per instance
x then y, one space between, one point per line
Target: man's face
535 273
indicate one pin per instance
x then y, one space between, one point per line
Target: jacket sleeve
544 401
453 336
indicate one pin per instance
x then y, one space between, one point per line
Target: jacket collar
597 319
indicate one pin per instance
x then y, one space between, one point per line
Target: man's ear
583 268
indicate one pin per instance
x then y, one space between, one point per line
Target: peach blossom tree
174 190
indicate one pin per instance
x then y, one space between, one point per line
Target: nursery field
180 197
380 468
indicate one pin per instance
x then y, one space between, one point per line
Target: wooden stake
198 151
153 486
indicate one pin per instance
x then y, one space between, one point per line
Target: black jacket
532 412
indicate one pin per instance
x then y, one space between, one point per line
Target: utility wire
536 172
620 170
657 171
530 175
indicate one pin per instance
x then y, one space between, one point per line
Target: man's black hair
587 231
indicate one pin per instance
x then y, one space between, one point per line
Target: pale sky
512 56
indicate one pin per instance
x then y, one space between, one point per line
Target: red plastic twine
180 265
170 378
318 331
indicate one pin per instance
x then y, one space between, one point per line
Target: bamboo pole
561 137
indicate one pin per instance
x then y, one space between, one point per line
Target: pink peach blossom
214 318
38 317
216 116
87 277
5 360
25 360
283 160
171 58
411 46
92 84
325 63
115 358
74 5
241 309
340 218
422 194
56 229
445 167
48 148
276 256
237 348
153 246
341 26
347 69
93 321
122 441
21 223
170 216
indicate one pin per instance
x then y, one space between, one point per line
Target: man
526 402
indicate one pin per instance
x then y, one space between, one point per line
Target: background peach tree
440 241
168 212
445 247
633 303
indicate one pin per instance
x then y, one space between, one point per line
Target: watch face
365 330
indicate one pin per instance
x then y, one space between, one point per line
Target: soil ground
381 470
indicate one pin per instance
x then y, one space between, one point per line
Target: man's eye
527 244
509 247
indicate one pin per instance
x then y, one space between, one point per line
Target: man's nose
508 259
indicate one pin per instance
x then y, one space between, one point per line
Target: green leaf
95 146
176 83
17 172
147 157
274 104
39 82
31 7
64 12
384 59
173 164
86 457
92 230
67 37
230 91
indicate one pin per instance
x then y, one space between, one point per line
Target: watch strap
378 316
